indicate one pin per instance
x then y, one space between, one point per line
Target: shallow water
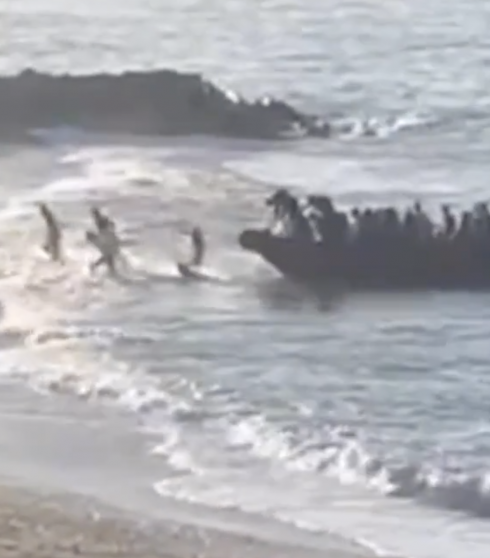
364 416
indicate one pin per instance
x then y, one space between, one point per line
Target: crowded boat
310 239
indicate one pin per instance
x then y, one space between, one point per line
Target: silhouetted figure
481 221
105 239
423 223
449 228
281 203
52 243
102 222
199 246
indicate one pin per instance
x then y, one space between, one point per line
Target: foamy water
364 416
346 416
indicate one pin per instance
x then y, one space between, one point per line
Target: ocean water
365 416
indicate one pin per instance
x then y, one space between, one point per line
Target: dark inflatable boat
377 249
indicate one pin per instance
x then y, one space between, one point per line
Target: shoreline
74 473
41 524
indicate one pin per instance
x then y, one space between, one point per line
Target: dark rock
156 102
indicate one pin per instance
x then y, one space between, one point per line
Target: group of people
105 239
316 219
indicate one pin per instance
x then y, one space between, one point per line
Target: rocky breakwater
152 103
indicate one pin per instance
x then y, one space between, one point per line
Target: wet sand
75 481
33 525
41 525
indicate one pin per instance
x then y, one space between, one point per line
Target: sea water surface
362 416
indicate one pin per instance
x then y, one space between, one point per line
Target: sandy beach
75 482
37 525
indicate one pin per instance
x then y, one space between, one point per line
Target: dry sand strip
41 526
